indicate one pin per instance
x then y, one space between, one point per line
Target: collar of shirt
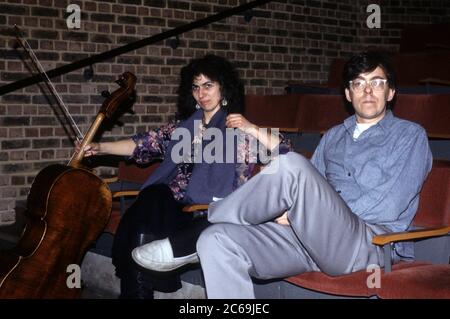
385 123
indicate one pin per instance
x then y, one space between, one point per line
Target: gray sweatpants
324 235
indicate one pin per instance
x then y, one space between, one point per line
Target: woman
210 95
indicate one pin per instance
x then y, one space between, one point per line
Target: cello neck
76 160
127 82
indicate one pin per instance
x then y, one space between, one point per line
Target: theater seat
272 111
317 112
350 285
125 187
418 279
430 111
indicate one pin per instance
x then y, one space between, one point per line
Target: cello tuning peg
106 94
120 81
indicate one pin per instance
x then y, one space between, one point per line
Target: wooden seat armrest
281 129
435 81
439 135
125 193
384 239
110 179
292 129
195 207
289 129
299 130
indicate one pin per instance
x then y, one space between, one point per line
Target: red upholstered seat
351 285
425 281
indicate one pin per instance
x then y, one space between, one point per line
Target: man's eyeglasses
359 85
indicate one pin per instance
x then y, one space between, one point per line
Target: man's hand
283 220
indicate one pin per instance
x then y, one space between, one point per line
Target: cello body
67 209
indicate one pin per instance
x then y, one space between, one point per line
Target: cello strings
49 83
37 65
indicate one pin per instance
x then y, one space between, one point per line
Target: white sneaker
158 256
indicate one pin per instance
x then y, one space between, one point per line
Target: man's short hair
366 62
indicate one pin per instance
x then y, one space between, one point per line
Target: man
364 179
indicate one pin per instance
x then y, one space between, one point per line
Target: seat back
412 68
335 73
425 38
131 172
434 203
277 111
430 111
130 178
317 112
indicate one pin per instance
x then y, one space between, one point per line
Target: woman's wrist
254 131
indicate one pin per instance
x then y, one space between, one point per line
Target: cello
67 208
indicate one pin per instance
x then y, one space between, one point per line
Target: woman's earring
197 106
224 102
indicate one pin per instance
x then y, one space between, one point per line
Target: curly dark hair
217 69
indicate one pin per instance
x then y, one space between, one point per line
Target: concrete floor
188 291
97 273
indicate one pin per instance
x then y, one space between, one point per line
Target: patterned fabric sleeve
152 145
285 145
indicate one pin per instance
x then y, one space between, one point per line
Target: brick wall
284 41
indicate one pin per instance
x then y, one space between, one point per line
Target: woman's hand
283 220
236 120
89 149
122 148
